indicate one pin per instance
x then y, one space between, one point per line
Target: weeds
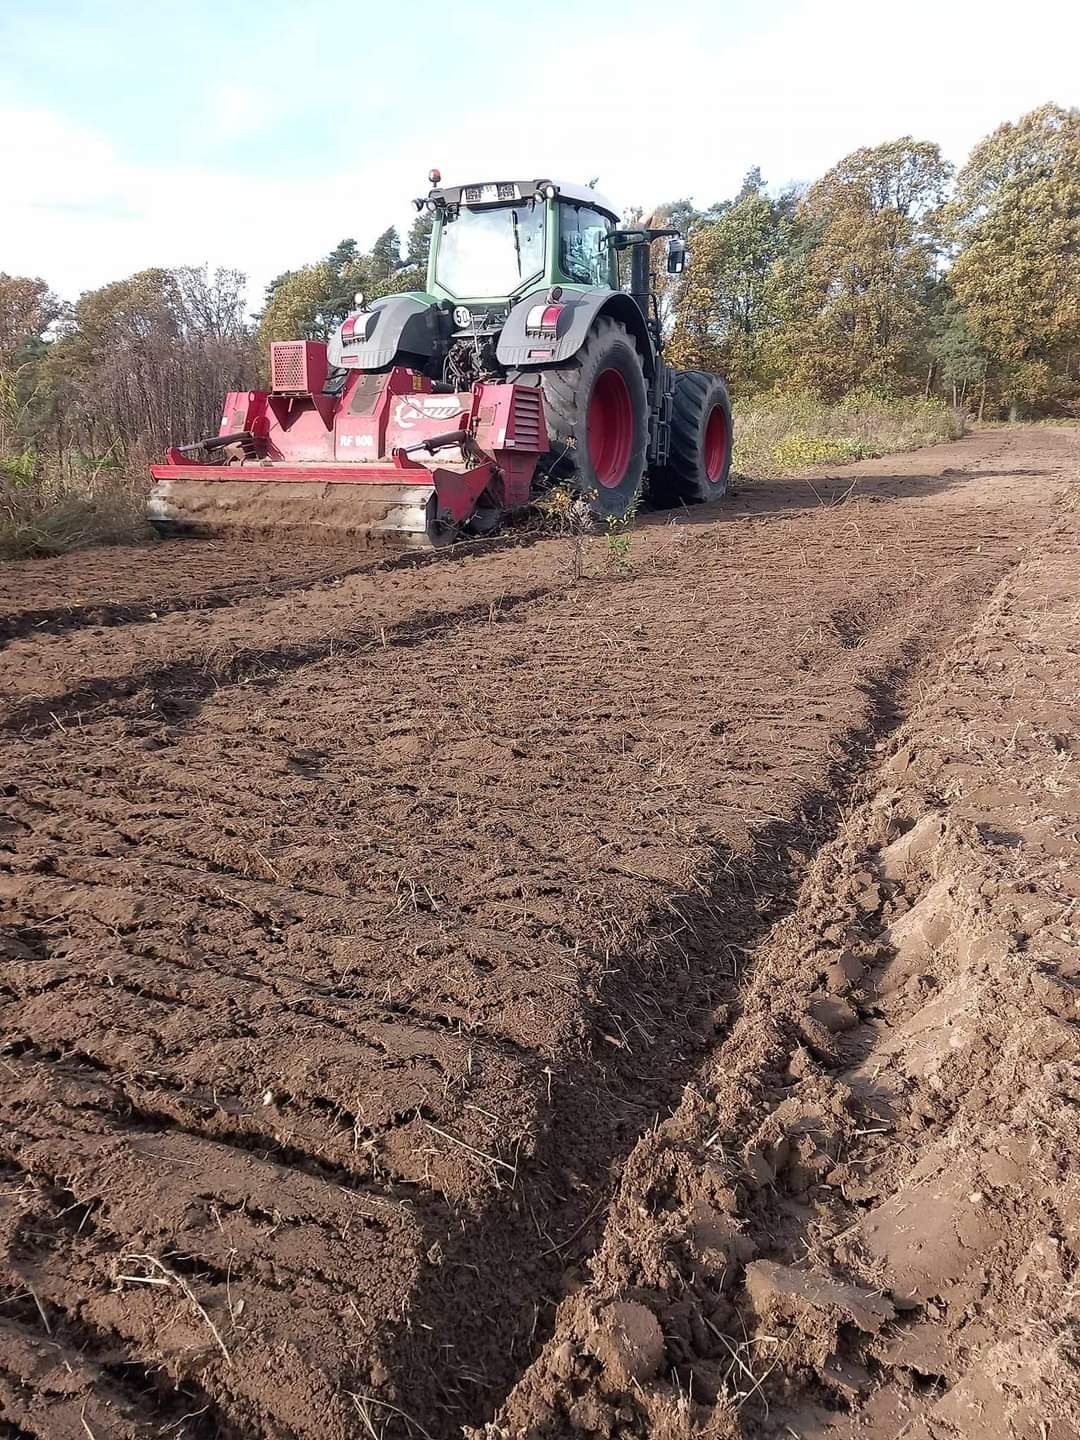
775 434
565 513
619 542
618 537
48 514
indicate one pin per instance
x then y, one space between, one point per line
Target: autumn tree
1015 219
143 362
28 309
853 296
306 304
678 215
727 312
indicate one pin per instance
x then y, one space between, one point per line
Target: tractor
433 414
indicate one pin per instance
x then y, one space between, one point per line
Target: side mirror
676 255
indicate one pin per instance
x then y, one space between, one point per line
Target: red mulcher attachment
389 455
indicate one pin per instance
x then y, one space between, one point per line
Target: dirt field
499 992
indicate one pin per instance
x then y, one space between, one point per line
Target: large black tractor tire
699 462
597 412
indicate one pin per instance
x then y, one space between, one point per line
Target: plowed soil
484 991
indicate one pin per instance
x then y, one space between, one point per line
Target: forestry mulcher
434 413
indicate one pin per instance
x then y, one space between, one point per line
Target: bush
777 433
48 515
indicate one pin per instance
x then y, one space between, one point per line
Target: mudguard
517 350
396 329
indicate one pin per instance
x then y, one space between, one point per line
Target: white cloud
239 111
80 214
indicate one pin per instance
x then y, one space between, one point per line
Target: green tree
854 295
1015 219
309 303
344 254
958 358
418 243
727 313
385 258
390 274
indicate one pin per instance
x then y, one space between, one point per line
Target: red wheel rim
716 443
610 428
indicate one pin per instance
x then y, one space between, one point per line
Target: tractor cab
495 241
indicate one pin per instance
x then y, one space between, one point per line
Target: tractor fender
391 328
518 350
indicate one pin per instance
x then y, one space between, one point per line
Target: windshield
490 252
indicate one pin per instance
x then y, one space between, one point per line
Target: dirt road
363 921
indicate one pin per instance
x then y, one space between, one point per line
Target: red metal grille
288 367
528 426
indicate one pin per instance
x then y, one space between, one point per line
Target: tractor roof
522 190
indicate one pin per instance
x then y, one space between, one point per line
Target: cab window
584 257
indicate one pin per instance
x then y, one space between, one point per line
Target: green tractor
522 364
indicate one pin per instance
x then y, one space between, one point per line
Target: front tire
598 415
699 463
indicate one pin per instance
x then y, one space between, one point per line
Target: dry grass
778 434
51 514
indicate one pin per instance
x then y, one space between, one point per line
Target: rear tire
597 412
699 462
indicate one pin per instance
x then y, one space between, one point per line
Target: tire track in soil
112 580
556 836
176 691
304 570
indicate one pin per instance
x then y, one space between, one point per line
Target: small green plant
619 544
618 538
20 468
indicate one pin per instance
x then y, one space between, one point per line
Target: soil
514 991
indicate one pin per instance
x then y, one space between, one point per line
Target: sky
258 133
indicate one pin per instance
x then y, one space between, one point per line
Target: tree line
889 273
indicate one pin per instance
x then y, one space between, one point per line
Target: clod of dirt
870 899
780 1291
717 1243
832 1012
844 972
915 934
628 1341
913 846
